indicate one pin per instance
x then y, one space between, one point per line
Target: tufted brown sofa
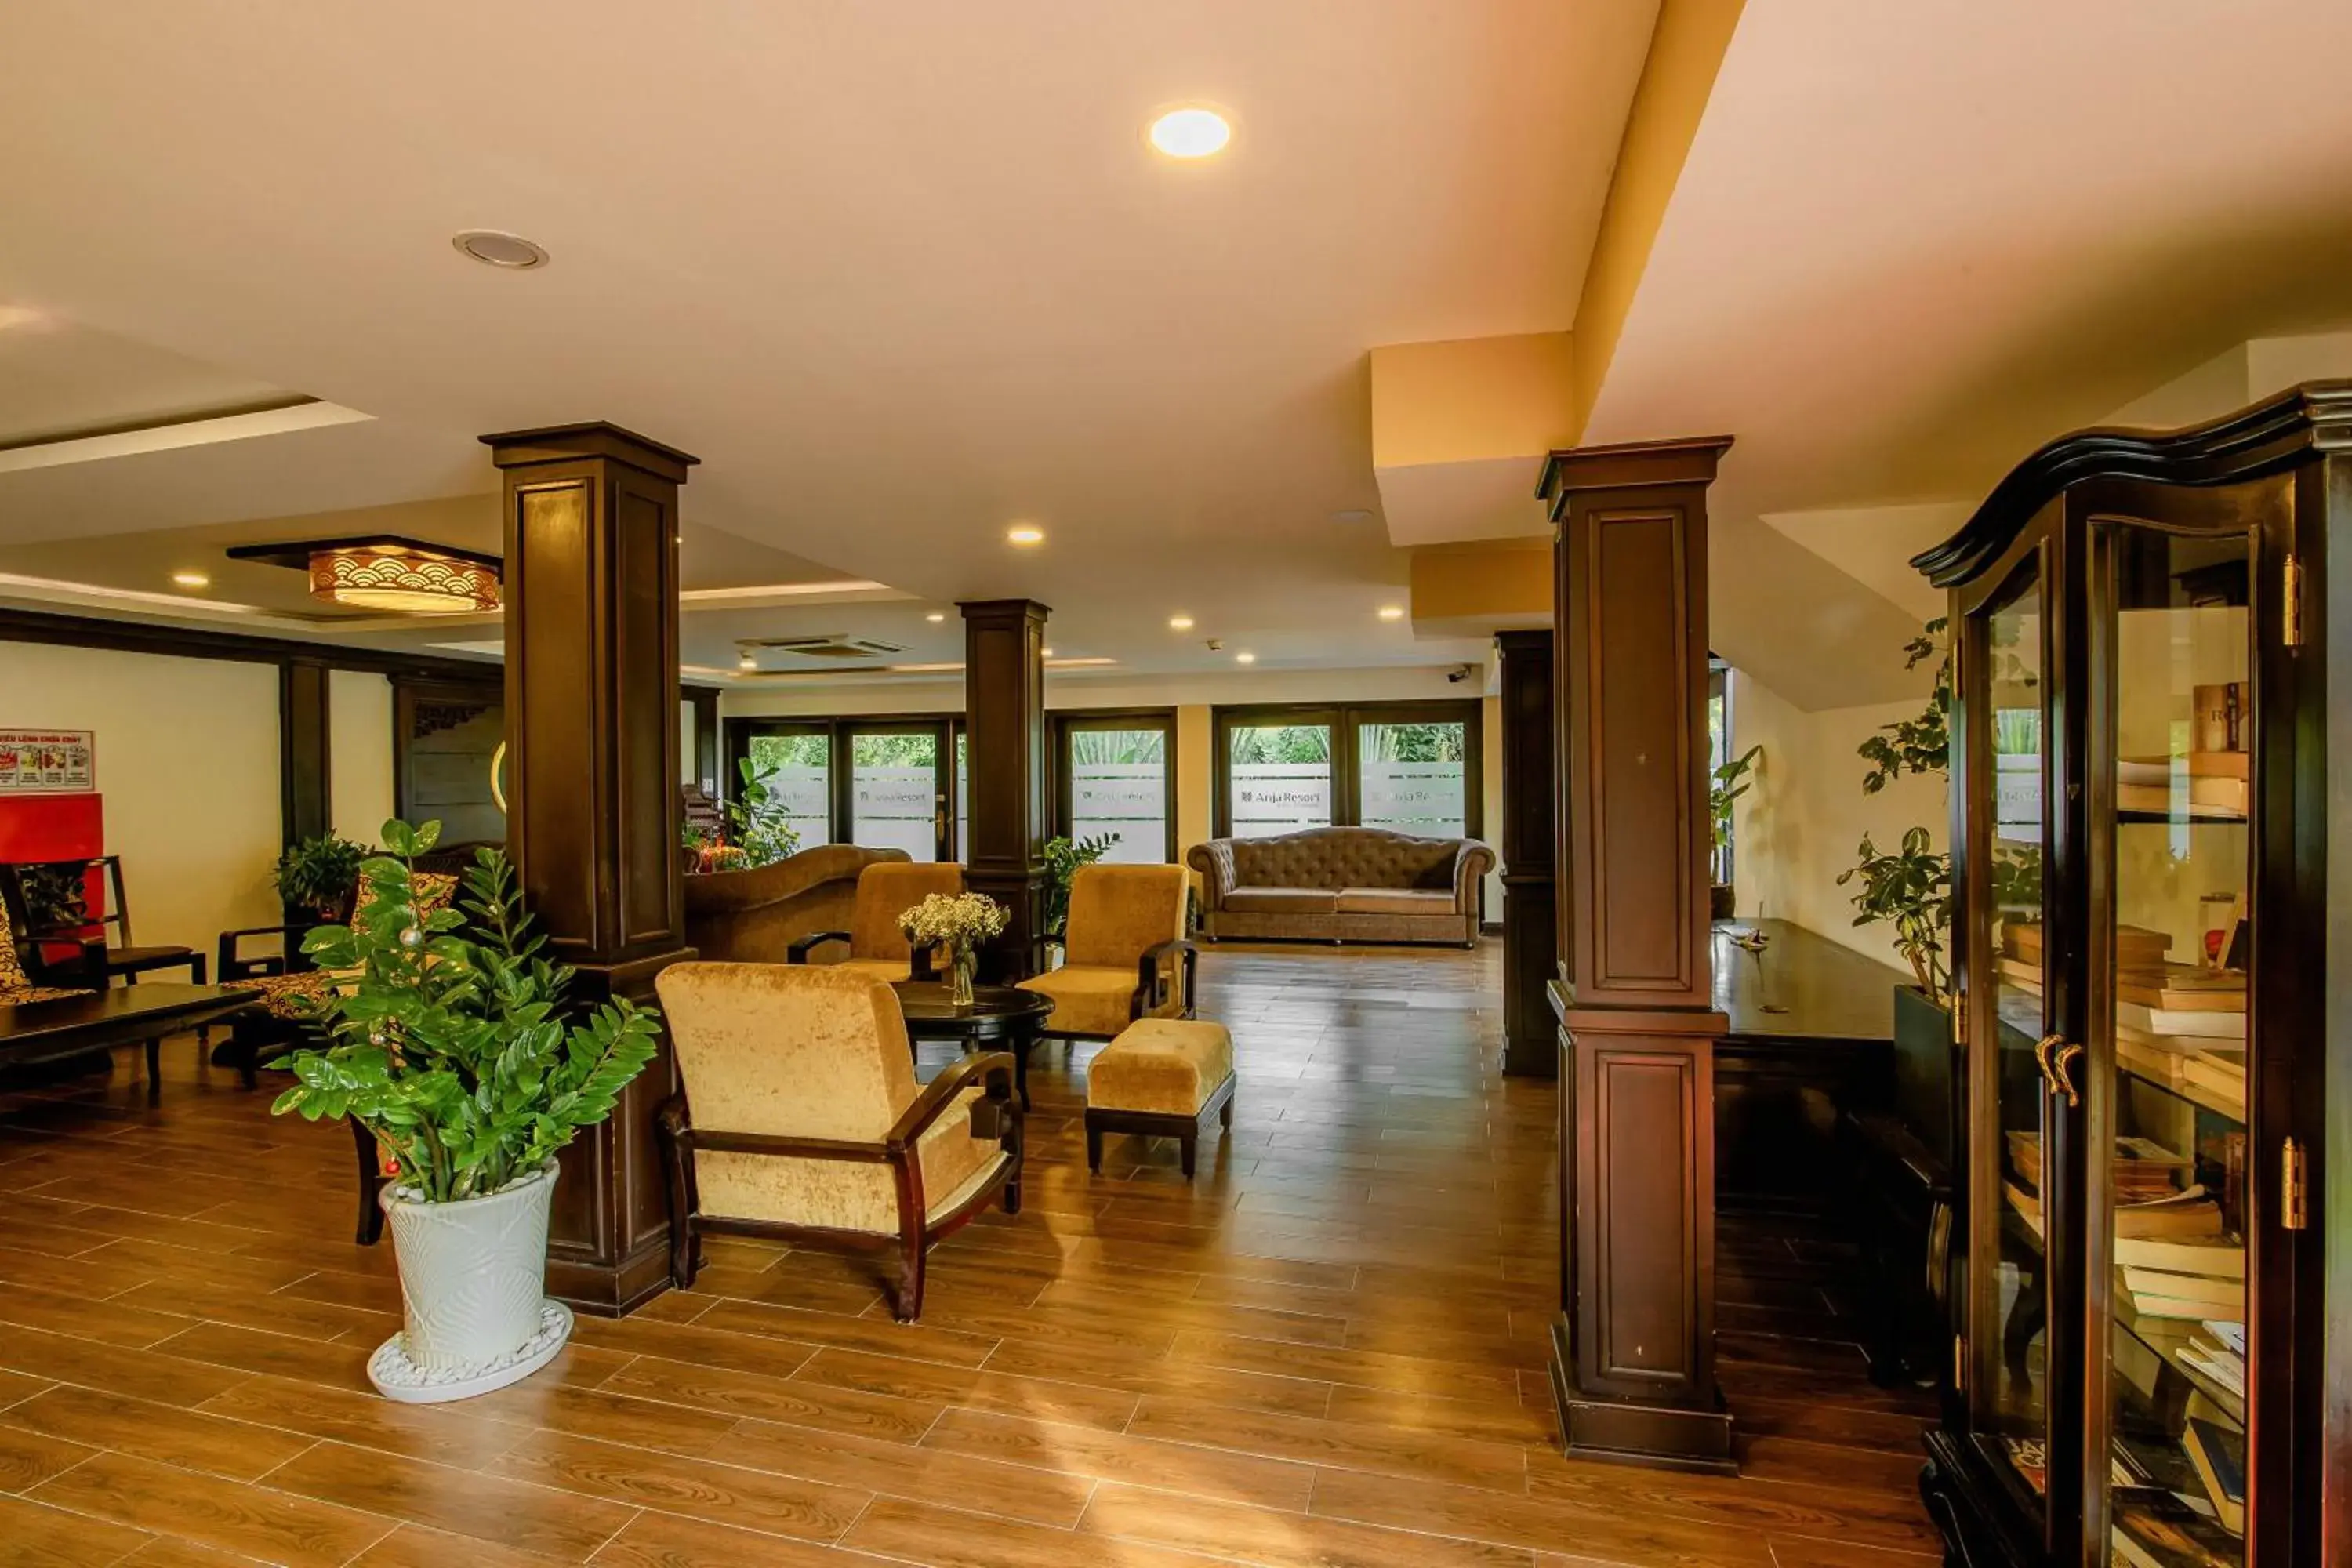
1342 884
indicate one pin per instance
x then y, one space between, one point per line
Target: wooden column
1530 931
1633 1353
1004 727
305 760
592 698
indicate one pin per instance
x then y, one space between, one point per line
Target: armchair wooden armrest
1152 972
83 970
229 964
996 1068
797 950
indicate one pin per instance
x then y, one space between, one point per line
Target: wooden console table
120 1015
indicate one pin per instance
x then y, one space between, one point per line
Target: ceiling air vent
834 647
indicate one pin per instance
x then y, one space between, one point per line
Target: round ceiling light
1190 133
1024 533
1392 612
495 249
192 580
1180 623
936 616
1245 658
403 580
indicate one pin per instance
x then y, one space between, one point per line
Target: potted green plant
320 875
1063 859
755 819
451 1045
1725 785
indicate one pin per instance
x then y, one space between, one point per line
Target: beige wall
360 771
187 762
1802 823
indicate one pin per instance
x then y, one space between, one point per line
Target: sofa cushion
1337 857
1089 998
1282 901
1395 901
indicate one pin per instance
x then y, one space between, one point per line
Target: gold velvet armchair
1124 950
886 891
800 1119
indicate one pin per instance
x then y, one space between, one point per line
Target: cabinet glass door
2009 1280
2168 1020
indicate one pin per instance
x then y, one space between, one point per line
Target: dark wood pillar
592 697
1530 933
1633 1353
305 751
1004 727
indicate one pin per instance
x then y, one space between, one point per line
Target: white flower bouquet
958 923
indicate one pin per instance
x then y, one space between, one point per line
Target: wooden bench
1161 1077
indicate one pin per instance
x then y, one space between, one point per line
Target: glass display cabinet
2142 1368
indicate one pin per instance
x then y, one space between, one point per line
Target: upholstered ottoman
1161 1077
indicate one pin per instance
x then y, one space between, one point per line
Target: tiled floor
1327 1352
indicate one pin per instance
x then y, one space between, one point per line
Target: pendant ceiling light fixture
403 579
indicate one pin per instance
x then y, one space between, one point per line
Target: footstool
1161 1077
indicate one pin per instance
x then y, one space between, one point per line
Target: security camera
1216 645
1460 673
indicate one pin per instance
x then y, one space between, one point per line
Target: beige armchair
1125 953
885 890
800 1119
751 916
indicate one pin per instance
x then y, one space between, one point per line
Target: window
1409 767
882 782
1719 752
1278 778
894 781
1117 779
802 761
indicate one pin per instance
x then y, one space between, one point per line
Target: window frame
1345 720
1067 721
840 791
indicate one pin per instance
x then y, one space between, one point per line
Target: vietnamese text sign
47 761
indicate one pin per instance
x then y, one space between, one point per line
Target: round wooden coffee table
1000 1017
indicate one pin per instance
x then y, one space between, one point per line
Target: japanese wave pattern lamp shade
401 581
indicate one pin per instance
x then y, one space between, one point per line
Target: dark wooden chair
871 1162
102 941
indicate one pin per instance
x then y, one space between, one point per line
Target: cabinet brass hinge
1959 1364
1959 1017
2291 602
2295 1187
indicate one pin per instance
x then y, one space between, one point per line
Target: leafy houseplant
1725 785
755 818
1063 859
450 1044
1911 887
320 875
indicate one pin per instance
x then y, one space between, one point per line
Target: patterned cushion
290 995
17 995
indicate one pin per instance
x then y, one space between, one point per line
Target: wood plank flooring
1326 1352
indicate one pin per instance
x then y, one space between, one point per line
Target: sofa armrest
230 963
797 950
1214 860
1471 862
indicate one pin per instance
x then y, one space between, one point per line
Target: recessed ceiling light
747 662
1024 533
1392 612
936 616
1044 653
192 580
1245 658
1190 133
496 249
1353 514
1180 623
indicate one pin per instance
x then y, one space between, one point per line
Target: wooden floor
1327 1352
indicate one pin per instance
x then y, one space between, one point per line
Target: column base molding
1635 1432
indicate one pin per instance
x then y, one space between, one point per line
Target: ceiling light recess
1245 658
1190 133
1180 623
936 616
192 580
1392 612
1024 533
495 247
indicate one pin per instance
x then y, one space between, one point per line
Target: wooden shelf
2163 1338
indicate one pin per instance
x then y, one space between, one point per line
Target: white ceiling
900 274
1912 242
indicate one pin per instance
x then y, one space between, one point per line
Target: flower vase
963 960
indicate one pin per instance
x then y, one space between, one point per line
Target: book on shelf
2221 1298
2219 1457
2183 988
2230 1337
2159 1530
2201 1023
2178 1309
2135 947
2215 1259
2188 1213
2220 1071
2196 764
2218 717
2209 800
2225 1369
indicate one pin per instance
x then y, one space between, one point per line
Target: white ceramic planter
473 1275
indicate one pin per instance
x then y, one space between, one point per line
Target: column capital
1005 610
595 438
1629 465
